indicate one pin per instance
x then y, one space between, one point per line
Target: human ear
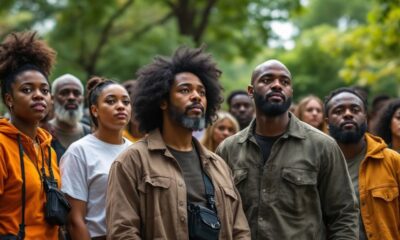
94 111
9 100
250 90
163 105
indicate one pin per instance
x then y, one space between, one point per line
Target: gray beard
71 117
193 123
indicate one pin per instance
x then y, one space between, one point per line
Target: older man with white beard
66 128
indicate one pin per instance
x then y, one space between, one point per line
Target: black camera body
203 223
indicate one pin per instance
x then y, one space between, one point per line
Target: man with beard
167 185
241 107
66 128
373 167
292 178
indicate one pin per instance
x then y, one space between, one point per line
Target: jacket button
180 203
182 219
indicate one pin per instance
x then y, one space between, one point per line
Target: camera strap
21 232
209 192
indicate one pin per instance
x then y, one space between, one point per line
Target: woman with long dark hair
25 152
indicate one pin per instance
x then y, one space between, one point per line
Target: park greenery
336 42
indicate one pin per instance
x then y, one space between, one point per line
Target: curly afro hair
383 127
155 81
23 51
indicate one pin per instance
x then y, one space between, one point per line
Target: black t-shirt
192 174
265 144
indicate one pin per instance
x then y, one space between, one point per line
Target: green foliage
340 42
372 50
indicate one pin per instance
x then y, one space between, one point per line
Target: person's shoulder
315 134
392 154
82 143
218 160
133 151
235 139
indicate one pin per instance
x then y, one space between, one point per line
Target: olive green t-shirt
353 166
192 174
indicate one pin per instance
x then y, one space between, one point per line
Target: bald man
292 178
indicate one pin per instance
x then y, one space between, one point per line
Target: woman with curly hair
388 124
225 126
25 152
311 110
86 163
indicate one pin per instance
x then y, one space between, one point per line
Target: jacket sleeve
222 151
122 201
3 172
338 200
241 228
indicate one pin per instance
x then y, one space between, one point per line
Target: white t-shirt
84 173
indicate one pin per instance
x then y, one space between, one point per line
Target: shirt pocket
155 195
155 183
387 194
298 192
299 177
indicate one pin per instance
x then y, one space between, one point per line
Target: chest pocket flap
387 193
299 176
160 182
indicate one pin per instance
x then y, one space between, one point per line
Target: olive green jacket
303 191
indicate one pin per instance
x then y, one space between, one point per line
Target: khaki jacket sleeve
241 229
338 200
122 202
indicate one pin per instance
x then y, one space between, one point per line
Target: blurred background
325 43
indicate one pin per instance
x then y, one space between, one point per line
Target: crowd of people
157 158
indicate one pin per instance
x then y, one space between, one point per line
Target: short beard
192 123
271 108
347 137
70 117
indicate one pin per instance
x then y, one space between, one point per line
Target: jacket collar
295 129
155 142
375 146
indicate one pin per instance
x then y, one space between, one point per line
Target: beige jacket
146 196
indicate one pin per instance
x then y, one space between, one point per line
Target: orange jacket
11 183
379 179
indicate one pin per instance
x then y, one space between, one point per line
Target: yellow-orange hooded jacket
11 183
379 179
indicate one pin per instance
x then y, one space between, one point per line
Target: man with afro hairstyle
155 185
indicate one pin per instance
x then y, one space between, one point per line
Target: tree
372 50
